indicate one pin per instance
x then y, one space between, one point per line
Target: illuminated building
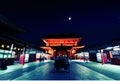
65 44
9 43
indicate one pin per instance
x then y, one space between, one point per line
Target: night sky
96 21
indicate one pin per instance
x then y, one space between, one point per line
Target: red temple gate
61 46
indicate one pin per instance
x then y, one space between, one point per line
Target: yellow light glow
8 46
53 44
73 51
2 45
18 49
68 44
15 48
50 51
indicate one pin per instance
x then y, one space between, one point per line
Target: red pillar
102 58
70 53
21 60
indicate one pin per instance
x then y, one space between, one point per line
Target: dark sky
96 21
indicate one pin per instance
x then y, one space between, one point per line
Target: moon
69 18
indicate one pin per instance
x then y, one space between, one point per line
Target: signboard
38 55
1 55
99 57
116 52
26 57
2 51
32 52
5 56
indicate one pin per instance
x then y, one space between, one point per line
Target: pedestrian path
46 71
17 66
77 72
109 70
81 72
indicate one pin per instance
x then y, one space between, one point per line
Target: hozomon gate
64 46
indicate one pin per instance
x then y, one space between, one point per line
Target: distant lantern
18 49
69 18
15 48
8 46
73 51
2 45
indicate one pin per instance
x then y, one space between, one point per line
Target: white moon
69 18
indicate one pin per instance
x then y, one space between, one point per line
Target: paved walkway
46 71
109 70
17 66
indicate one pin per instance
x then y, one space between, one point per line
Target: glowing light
50 51
68 44
11 47
115 48
73 51
109 48
69 18
58 42
8 46
15 48
18 49
2 46
52 44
